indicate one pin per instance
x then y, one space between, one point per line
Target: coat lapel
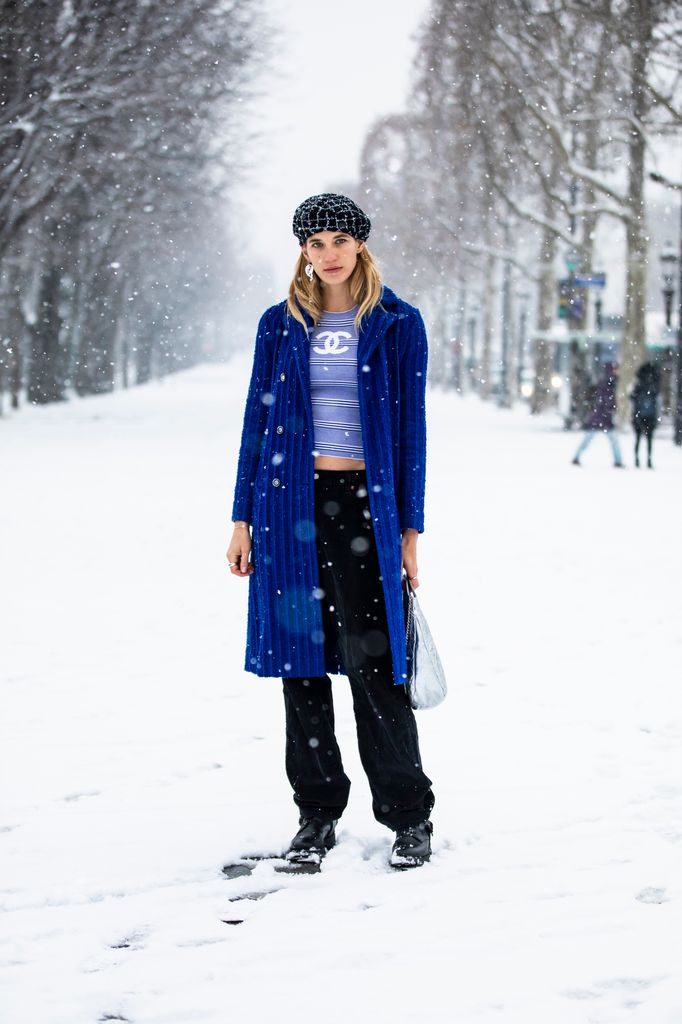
299 345
372 333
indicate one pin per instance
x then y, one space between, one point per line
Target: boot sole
401 861
405 863
310 856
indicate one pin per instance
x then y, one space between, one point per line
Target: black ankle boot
412 845
311 842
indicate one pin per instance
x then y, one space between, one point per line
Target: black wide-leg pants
354 611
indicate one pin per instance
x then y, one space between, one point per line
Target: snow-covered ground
138 757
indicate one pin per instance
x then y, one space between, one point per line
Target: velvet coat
274 488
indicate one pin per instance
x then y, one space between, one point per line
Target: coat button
280 429
282 376
275 482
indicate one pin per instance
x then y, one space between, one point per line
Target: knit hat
330 212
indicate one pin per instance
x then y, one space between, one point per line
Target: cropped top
334 386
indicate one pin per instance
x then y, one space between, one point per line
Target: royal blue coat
274 488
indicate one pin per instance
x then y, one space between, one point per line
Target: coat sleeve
255 418
412 480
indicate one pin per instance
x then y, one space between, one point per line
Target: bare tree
553 99
120 136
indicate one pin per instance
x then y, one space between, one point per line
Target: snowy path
138 757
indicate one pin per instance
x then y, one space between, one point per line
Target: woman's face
333 255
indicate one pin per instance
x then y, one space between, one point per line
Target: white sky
338 67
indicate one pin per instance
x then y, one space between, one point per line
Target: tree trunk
542 390
144 350
95 368
14 342
633 348
47 363
487 309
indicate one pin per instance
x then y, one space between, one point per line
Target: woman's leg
587 440
638 438
312 758
615 446
351 578
389 750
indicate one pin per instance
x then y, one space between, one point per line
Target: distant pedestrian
601 416
645 408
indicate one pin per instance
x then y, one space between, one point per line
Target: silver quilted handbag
426 683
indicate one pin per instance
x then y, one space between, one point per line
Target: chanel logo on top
332 342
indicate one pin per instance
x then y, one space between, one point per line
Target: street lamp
668 259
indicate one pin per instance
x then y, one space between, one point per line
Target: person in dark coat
328 506
645 411
601 416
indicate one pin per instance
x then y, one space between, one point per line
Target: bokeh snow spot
304 529
297 611
374 642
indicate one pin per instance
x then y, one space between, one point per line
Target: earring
309 270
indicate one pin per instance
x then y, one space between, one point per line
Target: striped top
334 386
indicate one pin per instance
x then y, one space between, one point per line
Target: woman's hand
409 562
239 551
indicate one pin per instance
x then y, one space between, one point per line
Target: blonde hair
364 283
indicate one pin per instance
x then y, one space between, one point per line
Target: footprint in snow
252 895
628 984
652 895
581 993
79 795
132 941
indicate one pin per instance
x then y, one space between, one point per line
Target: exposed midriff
335 462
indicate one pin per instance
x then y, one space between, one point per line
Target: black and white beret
330 212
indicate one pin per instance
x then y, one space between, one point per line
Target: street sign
570 303
575 309
590 280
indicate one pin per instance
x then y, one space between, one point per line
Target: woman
645 413
601 417
328 505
